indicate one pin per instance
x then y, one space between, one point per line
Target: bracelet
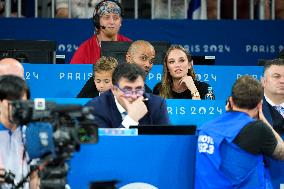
195 94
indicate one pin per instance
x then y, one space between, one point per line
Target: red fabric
89 51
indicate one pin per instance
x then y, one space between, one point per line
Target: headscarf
108 7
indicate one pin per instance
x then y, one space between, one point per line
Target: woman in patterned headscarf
107 21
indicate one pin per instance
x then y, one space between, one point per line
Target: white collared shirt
127 121
11 154
273 104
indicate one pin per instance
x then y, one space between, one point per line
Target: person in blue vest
231 148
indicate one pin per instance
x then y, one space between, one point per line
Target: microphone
103 27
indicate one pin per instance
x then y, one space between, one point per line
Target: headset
96 17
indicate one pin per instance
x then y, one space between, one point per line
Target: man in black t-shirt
231 148
257 137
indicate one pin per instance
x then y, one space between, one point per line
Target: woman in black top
179 79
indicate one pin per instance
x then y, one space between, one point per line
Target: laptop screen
29 51
118 49
165 129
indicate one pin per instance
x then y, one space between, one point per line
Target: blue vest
220 164
276 170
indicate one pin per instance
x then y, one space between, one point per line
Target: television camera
53 132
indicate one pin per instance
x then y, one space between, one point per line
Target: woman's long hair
167 80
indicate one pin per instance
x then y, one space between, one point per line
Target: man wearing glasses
127 104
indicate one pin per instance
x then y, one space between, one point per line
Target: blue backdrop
181 112
110 159
162 161
66 80
232 42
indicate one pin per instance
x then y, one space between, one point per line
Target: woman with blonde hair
179 79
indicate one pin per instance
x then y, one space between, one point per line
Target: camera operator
12 152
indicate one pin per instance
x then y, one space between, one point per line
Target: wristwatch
195 94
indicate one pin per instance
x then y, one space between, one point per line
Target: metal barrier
261 8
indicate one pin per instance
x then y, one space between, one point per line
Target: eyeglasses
130 92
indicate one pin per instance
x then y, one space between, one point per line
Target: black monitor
261 62
203 60
29 51
165 129
281 54
118 49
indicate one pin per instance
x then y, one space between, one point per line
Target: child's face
103 80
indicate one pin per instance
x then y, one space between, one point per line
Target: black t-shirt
89 90
256 138
202 88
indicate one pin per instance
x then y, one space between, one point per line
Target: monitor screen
261 62
165 129
29 51
203 60
118 49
